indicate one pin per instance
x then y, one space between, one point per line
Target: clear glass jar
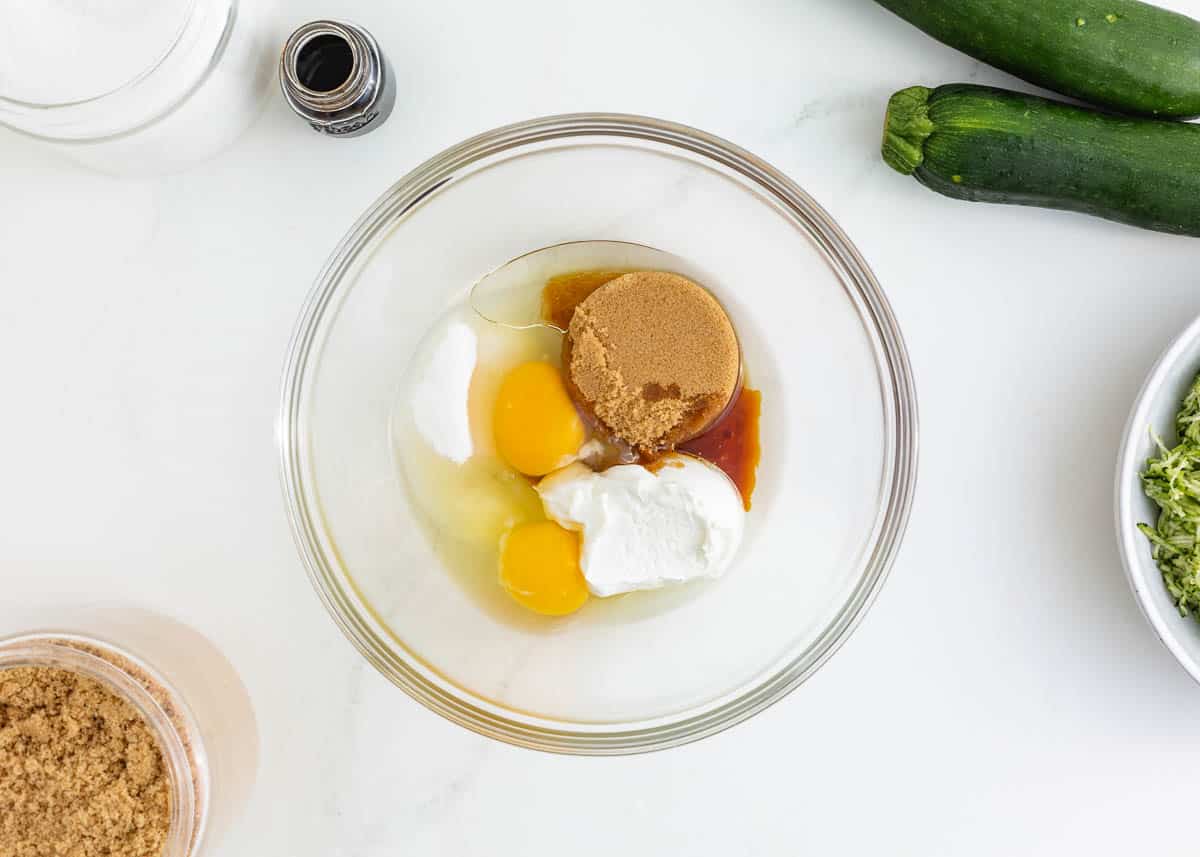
156 700
135 85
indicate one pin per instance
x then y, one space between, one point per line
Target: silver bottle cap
335 77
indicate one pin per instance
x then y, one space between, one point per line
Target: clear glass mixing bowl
839 437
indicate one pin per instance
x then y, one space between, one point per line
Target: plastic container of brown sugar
155 700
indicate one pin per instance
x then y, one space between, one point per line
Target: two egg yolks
537 431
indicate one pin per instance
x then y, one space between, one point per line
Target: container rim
1141 573
60 122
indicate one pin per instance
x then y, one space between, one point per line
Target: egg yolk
536 425
539 567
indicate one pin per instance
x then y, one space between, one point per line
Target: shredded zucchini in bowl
1172 480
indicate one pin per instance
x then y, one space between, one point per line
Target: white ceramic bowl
1155 410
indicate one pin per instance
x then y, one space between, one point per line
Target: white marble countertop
1004 694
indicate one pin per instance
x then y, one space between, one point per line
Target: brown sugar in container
167 716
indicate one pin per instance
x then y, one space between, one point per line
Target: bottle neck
333 75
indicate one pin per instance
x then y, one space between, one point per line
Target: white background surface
1003 696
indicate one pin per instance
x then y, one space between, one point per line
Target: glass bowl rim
366 631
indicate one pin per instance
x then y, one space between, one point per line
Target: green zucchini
1130 56
991 145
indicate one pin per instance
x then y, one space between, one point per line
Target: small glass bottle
335 77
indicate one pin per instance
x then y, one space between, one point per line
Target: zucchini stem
906 128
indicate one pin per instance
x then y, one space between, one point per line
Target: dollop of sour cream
644 529
439 400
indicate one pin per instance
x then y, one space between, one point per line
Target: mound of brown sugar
81 773
654 357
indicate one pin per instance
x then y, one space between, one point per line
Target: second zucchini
992 145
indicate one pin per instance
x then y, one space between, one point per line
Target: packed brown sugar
653 356
81 774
